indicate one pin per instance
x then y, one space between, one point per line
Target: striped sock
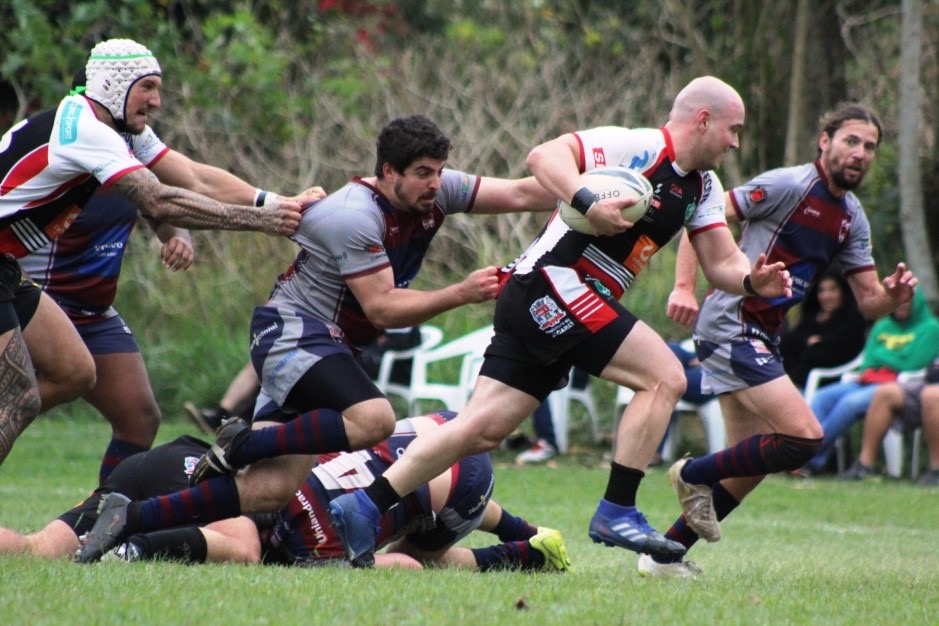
117 451
314 432
211 500
511 555
513 528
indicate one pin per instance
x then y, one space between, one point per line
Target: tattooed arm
187 209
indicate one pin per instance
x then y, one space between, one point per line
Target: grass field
818 552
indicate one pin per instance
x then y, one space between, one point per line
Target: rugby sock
510 555
681 532
117 451
209 501
513 528
622 485
186 544
314 432
753 456
382 494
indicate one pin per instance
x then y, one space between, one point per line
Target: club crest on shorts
546 313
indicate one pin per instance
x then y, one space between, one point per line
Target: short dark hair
406 139
847 112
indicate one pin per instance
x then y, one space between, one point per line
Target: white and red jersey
789 214
52 163
680 199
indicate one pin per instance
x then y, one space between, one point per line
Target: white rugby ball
616 182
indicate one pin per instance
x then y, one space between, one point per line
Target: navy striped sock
117 451
211 500
314 432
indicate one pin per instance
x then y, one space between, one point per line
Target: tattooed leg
19 393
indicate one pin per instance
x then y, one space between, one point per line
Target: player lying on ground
423 530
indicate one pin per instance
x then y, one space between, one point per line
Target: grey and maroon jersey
354 232
789 214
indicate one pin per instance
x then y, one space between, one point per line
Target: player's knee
785 452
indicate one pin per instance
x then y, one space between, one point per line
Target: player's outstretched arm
187 209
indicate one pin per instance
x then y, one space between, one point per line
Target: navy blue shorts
108 336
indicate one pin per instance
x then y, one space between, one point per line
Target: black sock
382 494
185 543
623 485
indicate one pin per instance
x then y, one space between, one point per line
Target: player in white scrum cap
50 165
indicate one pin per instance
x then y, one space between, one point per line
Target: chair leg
917 446
893 453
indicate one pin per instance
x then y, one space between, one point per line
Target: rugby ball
616 182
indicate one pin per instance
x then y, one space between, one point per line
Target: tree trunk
795 127
912 219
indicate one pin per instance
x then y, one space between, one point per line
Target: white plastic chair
469 350
430 337
560 402
712 419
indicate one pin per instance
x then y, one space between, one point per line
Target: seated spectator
908 406
830 330
907 340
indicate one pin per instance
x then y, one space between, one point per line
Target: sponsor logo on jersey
844 230
757 195
315 524
256 341
599 157
642 251
68 126
428 221
546 313
639 163
599 287
676 191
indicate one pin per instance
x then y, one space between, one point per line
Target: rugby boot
650 568
550 544
357 522
107 530
626 527
697 503
216 461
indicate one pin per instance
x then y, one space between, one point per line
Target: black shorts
19 297
548 321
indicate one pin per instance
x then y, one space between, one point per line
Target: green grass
818 551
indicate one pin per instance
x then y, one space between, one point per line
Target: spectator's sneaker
216 460
106 533
550 544
538 453
630 531
858 471
930 478
209 420
126 551
357 522
649 567
697 503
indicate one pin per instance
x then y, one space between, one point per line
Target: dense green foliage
291 93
